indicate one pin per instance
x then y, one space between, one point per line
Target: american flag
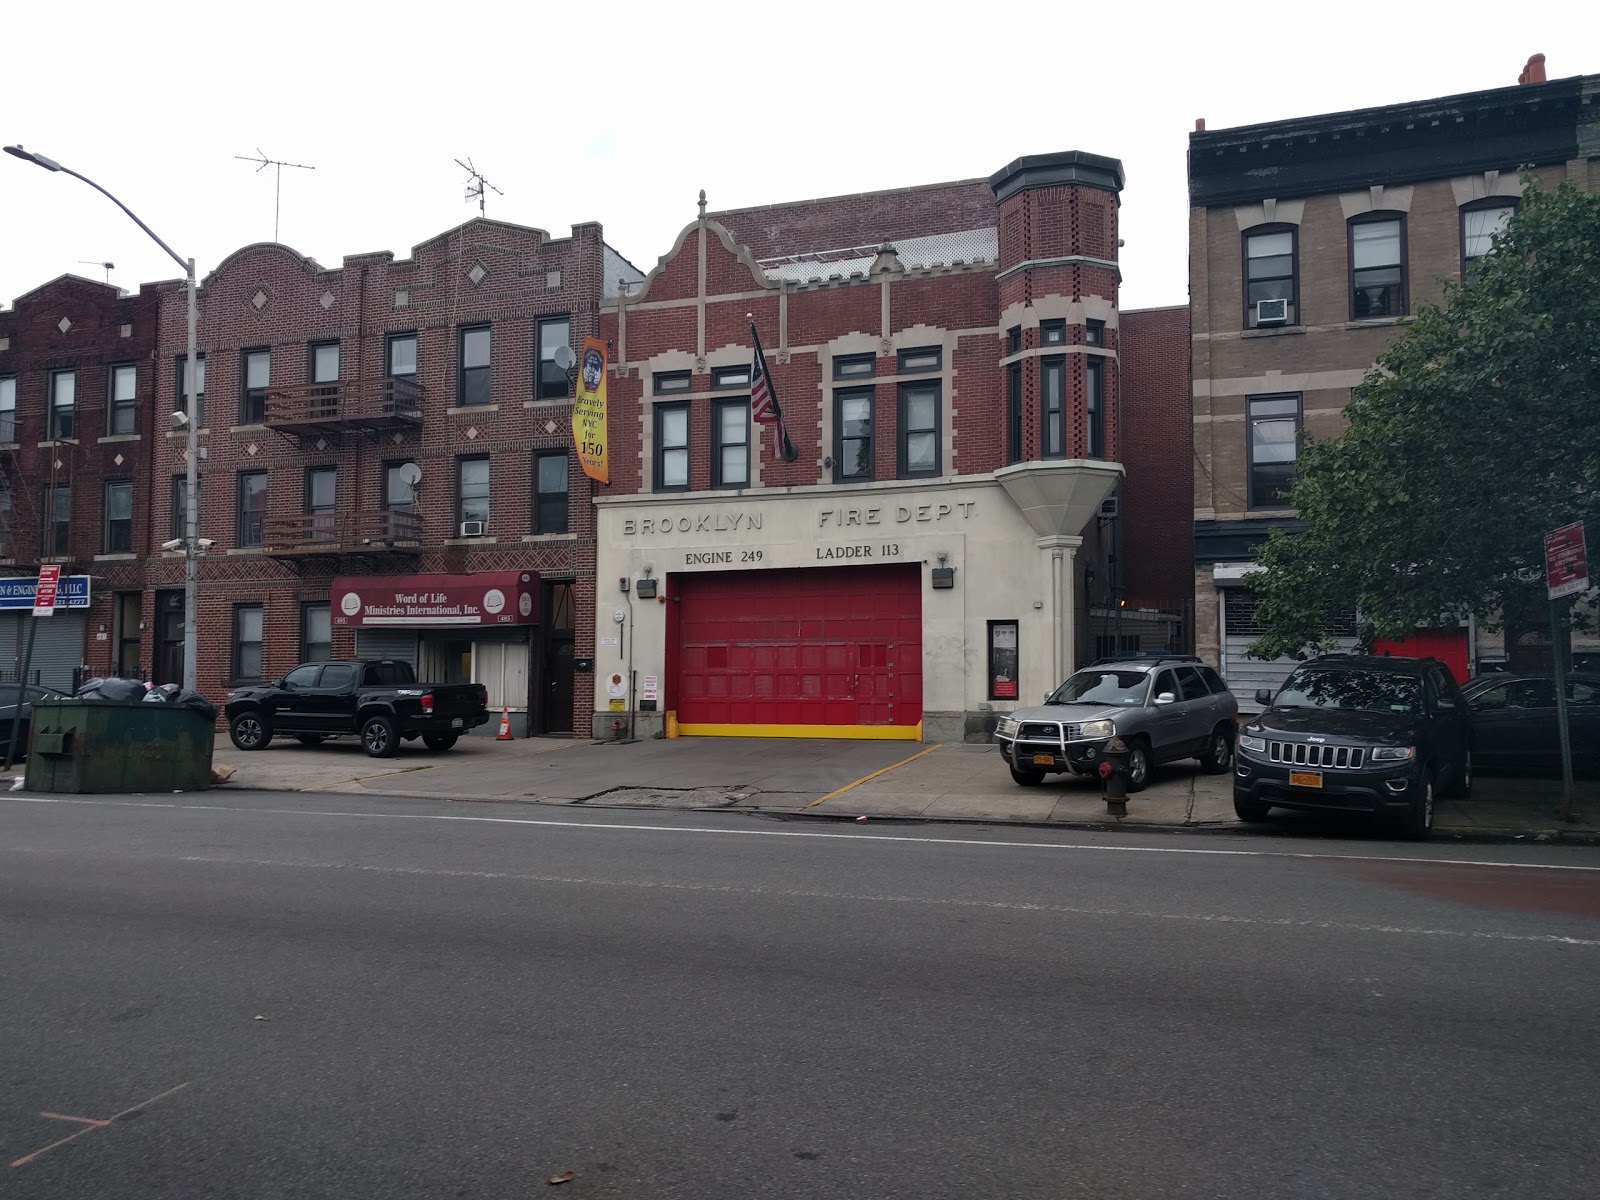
762 407
764 401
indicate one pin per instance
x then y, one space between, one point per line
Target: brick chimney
1199 124
1534 71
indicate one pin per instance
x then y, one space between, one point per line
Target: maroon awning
418 601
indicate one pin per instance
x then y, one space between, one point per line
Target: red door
788 652
1449 646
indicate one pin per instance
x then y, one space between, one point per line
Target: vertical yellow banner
589 412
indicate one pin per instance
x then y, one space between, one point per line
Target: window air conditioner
472 529
1272 312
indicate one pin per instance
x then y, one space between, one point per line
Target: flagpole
786 448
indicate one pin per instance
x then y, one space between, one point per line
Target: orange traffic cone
505 725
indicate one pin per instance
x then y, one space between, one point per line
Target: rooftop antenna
109 266
277 186
476 184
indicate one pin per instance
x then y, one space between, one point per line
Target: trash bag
165 694
197 702
111 688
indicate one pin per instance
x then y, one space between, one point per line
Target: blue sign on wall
18 593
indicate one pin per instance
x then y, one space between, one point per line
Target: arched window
1377 265
1271 276
1480 221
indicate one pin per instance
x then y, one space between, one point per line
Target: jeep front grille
1298 754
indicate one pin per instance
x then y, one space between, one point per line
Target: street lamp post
191 522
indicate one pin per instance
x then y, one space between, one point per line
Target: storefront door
555 707
169 638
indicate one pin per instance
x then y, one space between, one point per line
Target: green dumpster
115 746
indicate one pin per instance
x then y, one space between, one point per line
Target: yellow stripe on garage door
881 733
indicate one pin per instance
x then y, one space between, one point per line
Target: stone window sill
115 557
121 437
478 541
549 537
1273 331
1379 322
466 410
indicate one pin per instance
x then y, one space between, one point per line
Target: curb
1455 833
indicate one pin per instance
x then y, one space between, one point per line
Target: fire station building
951 366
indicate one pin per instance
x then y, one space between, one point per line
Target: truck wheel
250 731
378 737
1218 754
1027 778
438 741
309 739
1138 765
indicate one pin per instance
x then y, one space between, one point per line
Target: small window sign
1002 660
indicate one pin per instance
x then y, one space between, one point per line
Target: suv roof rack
1153 660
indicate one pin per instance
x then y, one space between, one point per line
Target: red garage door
830 652
1449 646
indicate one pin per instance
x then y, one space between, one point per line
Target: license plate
457 723
1312 779
1044 760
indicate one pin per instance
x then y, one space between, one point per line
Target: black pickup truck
379 700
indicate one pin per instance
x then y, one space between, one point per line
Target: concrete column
1061 553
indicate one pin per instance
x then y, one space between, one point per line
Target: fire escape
356 407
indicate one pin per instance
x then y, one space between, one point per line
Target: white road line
807 833
881 898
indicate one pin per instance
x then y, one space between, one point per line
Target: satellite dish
565 358
410 474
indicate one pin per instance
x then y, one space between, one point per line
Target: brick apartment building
77 377
1312 242
973 415
384 463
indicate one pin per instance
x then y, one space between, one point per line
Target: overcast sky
621 112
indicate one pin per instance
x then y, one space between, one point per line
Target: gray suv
1163 708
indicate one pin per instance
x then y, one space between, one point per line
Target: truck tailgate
457 699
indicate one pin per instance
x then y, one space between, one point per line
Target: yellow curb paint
874 775
881 733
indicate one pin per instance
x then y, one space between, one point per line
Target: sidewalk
839 779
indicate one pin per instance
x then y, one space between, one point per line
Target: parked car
1514 722
1163 708
1355 733
379 700
10 693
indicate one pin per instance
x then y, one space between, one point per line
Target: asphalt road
466 1000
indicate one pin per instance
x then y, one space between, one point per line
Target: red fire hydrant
1114 777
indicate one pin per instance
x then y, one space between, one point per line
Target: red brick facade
1158 452
1013 286
266 297
87 330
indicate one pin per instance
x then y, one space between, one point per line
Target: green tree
1474 433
